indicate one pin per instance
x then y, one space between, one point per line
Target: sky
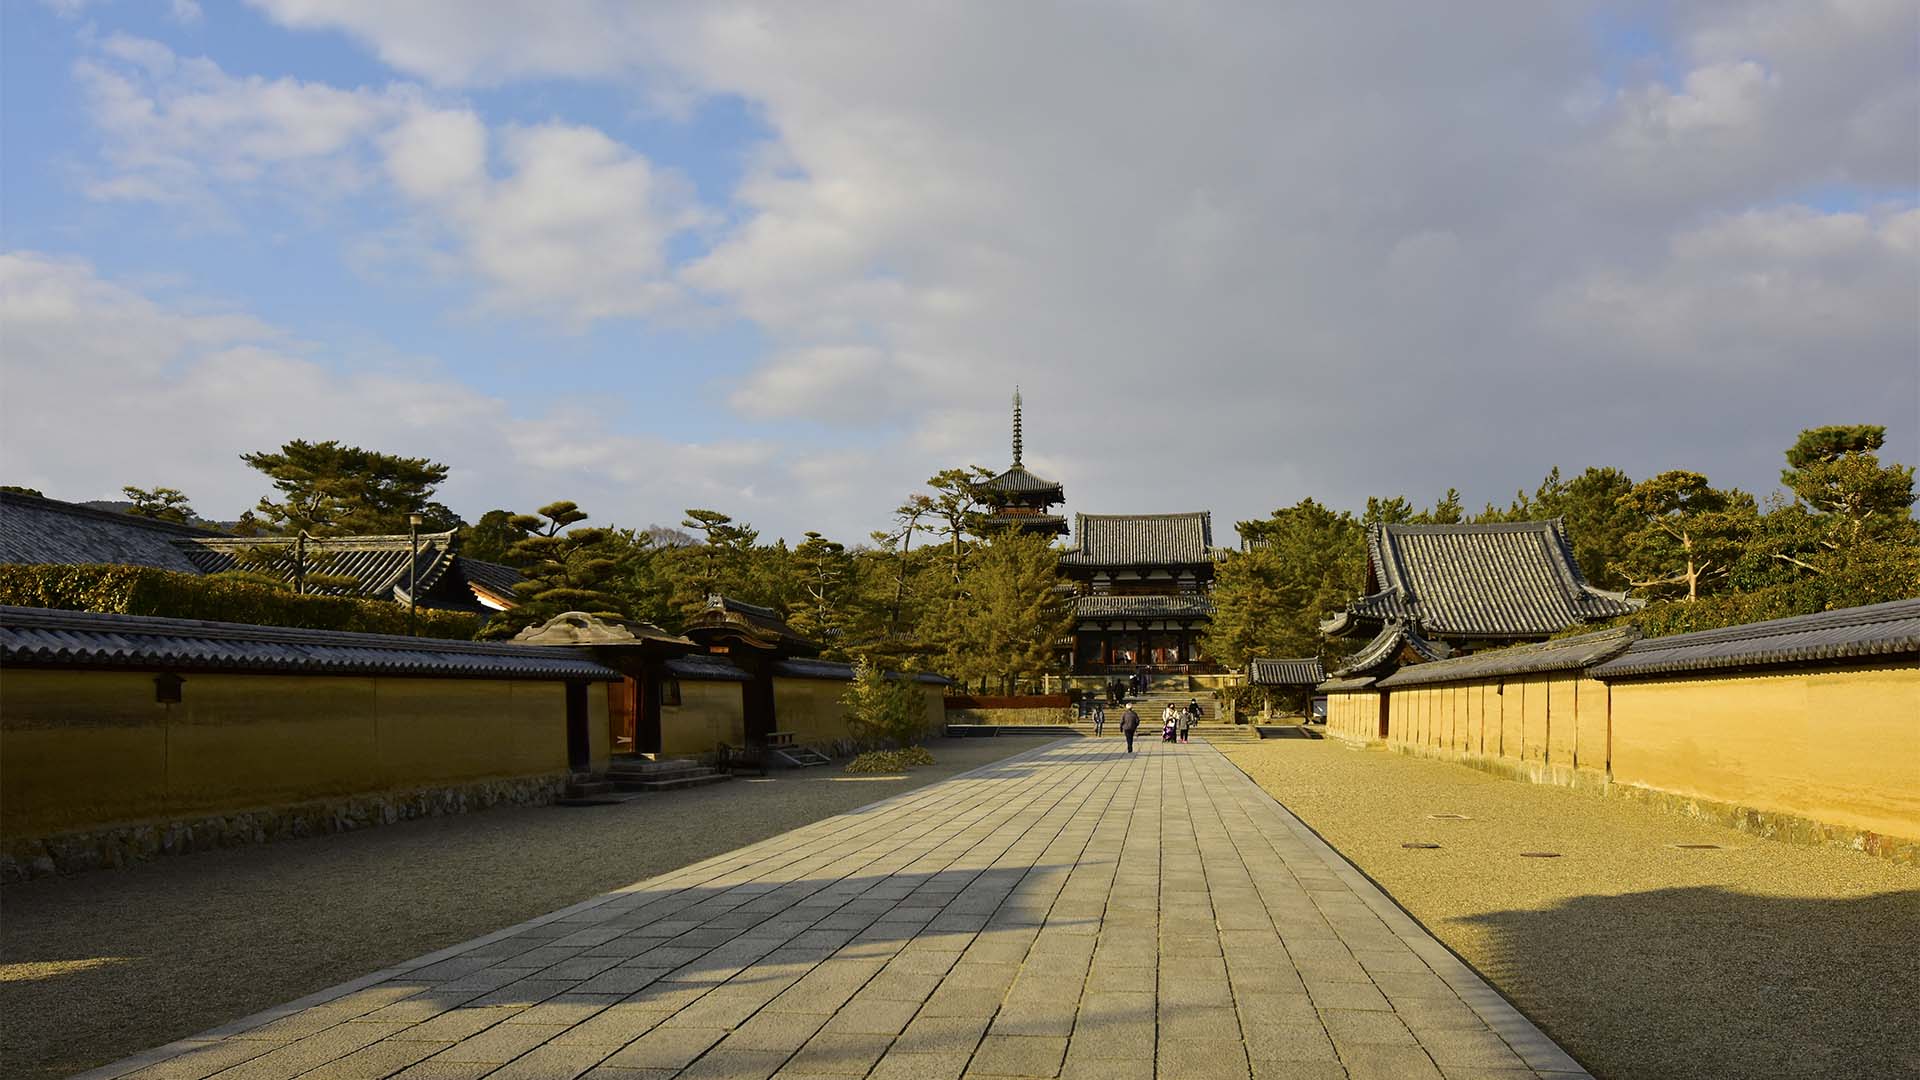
786 261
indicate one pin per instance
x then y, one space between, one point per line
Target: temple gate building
1435 591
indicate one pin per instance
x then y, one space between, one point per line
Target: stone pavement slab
1071 911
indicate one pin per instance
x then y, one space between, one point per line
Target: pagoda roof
1501 580
1141 540
1019 481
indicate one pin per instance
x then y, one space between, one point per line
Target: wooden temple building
1141 592
1435 591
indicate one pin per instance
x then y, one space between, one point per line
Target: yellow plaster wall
1355 716
810 709
1590 724
1562 719
1841 747
82 749
709 713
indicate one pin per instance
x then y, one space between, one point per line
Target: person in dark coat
1129 723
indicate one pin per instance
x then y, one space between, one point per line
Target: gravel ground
100 966
1640 957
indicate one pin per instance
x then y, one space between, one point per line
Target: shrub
883 709
890 761
145 590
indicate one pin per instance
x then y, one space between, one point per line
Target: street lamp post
413 572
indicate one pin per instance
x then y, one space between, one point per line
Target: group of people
1176 722
1118 690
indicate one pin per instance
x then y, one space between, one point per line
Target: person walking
1169 725
1129 723
1099 719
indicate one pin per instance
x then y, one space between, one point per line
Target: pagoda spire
1016 427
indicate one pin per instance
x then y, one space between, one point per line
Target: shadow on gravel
1707 982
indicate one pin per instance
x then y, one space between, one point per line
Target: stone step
675 783
801 757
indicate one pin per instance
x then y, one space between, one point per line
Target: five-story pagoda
1021 500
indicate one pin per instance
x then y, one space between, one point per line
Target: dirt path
96 967
1641 957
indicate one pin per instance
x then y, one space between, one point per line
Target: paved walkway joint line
1074 911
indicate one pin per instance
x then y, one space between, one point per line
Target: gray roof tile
1018 481
38 637
1504 580
1562 654
1305 671
1141 540
1379 656
1888 631
35 530
1177 606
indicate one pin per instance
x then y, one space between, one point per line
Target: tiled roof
1141 540
378 563
1563 654
36 530
1879 631
1306 671
1511 579
1379 655
1178 606
1346 686
36 637
1018 481
762 626
491 576
703 668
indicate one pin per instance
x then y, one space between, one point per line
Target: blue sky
724 255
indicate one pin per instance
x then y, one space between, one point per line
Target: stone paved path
1071 911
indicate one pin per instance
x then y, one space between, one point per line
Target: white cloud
106 386
553 220
1242 253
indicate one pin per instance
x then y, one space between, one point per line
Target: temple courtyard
1027 909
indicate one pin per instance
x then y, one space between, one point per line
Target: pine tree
329 489
574 570
824 571
160 504
1014 614
1694 533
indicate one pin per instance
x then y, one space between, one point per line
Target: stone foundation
133 842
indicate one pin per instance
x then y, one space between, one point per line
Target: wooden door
623 714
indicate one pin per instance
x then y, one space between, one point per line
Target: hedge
145 590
